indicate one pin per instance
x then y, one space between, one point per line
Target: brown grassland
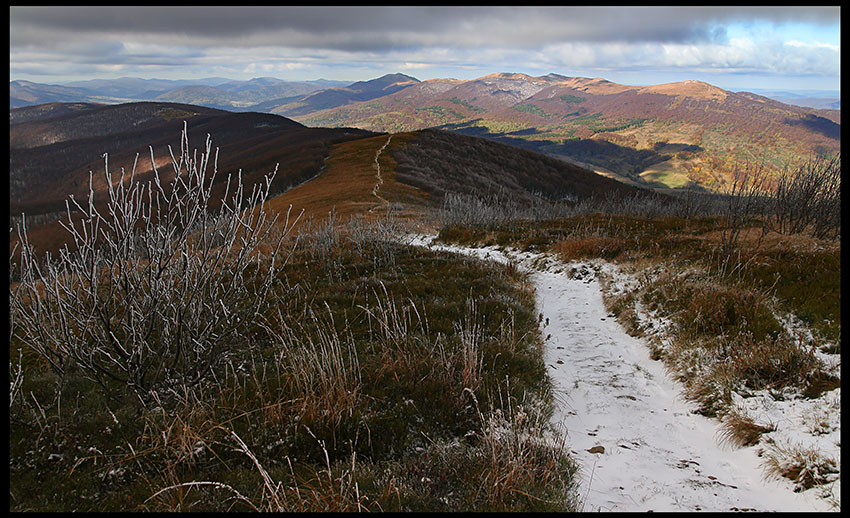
356 373
346 182
366 375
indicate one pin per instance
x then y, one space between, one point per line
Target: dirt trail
639 445
380 180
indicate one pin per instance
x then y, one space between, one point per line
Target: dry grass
518 455
602 246
345 185
320 370
725 338
806 467
366 357
740 430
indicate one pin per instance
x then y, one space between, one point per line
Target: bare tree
809 199
158 285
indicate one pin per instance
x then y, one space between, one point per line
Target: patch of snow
636 438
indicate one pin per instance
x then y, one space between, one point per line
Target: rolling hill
213 92
662 135
27 93
54 147
360 91
237 95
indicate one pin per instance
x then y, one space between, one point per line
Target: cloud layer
81 41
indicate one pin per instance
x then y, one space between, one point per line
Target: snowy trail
655 454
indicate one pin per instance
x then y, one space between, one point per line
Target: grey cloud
377 28
197 40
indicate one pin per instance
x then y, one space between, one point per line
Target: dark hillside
439 162
101 121
41 177
356 92
50 157
25 93
47 111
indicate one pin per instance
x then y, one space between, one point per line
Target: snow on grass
639 443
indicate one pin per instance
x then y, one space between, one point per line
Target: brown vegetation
350 373
42 176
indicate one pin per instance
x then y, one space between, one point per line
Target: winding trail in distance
380 180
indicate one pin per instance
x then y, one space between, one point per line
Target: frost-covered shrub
156 285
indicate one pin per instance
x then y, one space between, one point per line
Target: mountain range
668 135
673 135
213 92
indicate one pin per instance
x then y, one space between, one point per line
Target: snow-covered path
639 446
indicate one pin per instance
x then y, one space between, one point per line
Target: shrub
809 199
740 430
158 285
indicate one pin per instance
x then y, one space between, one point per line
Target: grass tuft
741 431
805 466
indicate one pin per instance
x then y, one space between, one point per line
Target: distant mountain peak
399 75
391 78
555 77
689 88
508 75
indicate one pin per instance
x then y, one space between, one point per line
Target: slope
25 93
321 170
688 131
417 170
360 91
52 153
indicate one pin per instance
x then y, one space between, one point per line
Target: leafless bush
694 203
475 211
36 219
809 199
744 196
319 240
375 239
687 204
16 379
497 211
157 285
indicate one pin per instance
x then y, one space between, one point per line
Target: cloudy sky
734 48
